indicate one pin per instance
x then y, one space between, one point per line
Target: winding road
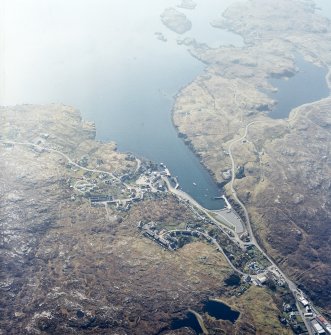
63 155
186 197
292 286
233 177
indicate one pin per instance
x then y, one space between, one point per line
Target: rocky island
176 21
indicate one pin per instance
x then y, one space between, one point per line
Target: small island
176 21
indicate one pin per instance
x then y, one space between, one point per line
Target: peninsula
276 171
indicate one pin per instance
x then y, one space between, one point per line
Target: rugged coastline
230 91
93 240
74 261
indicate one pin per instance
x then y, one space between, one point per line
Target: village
150 180
118 192
253 268
224 229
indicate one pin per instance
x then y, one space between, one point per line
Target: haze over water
324 6
102 57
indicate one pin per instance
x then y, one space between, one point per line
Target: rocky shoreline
69 267
214 108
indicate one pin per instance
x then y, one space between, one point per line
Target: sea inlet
106 60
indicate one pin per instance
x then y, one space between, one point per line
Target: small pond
189 321
220 311
215 309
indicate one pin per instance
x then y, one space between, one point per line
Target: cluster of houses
227 174
255 268
121 204
149 230
291 317
318 323
129 193
170 240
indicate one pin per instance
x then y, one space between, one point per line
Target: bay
306 86
103 57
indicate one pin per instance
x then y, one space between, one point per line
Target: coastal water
206 12
105 59
307 85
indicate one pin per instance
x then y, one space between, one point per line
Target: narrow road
63 155
218 247
233 172
138 165
293 288
185 196
248 222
